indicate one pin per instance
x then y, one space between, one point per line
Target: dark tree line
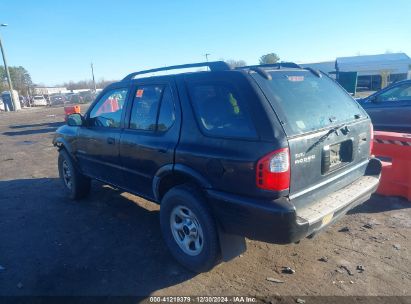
86 84
22 82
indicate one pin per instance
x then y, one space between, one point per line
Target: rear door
328 132
391 110
151 134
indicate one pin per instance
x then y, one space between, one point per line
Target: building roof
374 58
394 63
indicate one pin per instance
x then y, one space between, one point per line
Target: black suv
271 152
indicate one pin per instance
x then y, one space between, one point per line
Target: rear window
220 110
306 102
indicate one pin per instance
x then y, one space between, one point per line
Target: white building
373 70
49 90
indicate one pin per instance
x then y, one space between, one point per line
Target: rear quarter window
220 111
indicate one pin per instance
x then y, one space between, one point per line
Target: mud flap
231 245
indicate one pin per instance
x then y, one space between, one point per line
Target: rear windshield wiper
344 129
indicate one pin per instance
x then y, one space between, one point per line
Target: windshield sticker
139 93
295 78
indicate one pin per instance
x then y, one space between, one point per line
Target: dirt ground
110 243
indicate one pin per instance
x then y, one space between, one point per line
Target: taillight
273 171
371 138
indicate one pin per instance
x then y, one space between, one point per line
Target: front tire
76 184
189 229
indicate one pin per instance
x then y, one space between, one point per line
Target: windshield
306 102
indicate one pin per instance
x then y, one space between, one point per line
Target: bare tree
235 63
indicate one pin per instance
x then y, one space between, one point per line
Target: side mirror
75 120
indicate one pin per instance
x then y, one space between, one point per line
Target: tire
76 184
184 207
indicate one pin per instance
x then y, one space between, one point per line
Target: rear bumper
278 221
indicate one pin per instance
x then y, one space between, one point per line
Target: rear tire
76 184
189 229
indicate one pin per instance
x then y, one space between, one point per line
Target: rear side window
399 93
220 111
307 102
145 107
152 102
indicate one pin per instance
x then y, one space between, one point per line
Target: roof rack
278 65
314 71
213 66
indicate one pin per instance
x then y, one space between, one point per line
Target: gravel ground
110 243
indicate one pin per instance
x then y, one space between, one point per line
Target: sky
56 40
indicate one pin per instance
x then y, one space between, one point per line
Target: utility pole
8 73
206 56
94 81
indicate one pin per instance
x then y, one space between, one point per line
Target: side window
220 111
146 105
401 92
107 111
167 112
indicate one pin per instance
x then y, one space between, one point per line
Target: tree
20 79
235 63
269 58
3 80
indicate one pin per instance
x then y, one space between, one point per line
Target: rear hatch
328 132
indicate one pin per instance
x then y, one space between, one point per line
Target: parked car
57 100
38 100
274 153
87 96
75 98
390 108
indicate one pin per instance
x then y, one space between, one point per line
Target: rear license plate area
337 155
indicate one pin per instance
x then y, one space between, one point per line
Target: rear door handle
111 140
